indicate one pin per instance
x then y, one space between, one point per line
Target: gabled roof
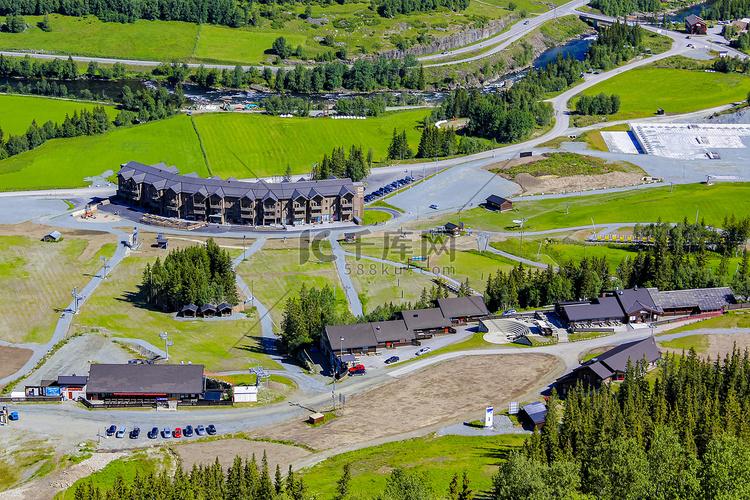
633 301
208 307
536 411
145 379
297 194
497 200
450 226
344 191
192 175
391 331
598 308
314 194
190 307
463 307
617 359
356 336
269 196
692 19
224 305
425 319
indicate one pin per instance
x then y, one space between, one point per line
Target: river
696 9
110 90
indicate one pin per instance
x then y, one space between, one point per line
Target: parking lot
393 186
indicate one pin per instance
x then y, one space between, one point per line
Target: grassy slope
266 144
566 164
41 275
88 36
218 43
642 205
65 162
17 112
700 342
730 320
115 309
439 457
643 90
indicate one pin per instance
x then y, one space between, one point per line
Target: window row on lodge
161 190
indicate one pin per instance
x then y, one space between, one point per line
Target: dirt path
47 487
206 453
12 359
427 398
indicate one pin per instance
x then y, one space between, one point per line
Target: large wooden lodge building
161 190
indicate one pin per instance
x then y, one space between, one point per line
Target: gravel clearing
226 449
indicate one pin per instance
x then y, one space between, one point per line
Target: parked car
211 429
153 433
361 371
423 350
509 312
13 415
200 430
416 342
135 433
392 359
188 432
356 367
166 433
434 207
120 433
525 23
177 433
111 430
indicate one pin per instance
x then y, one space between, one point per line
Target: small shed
452 229
225 309
537 413
208 310
245 394
189 311
659 111
52 236
499 203
162 243
315 418
349 237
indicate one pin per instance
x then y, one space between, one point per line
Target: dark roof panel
536 411
497 200
145 379
463 307
706 299
425 319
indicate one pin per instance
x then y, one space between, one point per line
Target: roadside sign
488 417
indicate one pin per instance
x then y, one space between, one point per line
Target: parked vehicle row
166 433
388 188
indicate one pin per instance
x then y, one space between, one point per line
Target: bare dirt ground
537 185
12 359
226 449
719 345
149 249
424 399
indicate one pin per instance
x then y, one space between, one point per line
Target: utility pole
103 259
77 296
167 343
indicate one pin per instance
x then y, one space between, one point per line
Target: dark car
416 342
188 431
211 430
111 430
153 433
135 433
392 359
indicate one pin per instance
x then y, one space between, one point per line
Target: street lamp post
243 247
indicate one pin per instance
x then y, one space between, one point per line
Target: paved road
339 256
515 33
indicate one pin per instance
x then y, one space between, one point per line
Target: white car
423 350
434 207
120 433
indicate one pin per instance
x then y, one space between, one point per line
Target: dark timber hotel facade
161 190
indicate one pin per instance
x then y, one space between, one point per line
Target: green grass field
638 205
378 284
17 112
267 144
228 45
700 343
438 457
116 309
88 36
643 90
62 163
36 279
277 274
730 320
375 216
567 164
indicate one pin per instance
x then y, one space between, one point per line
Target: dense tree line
620 8
601 104
676 260
389 8
732 64
57 69
685 436
437 142
399 148
148 105
356 166
200 274
615 45
286 105
14 24
727 9
360 106
87 122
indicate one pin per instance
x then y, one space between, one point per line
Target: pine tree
265 487
342 486
278 482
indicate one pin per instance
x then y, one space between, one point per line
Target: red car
356 368
177 433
